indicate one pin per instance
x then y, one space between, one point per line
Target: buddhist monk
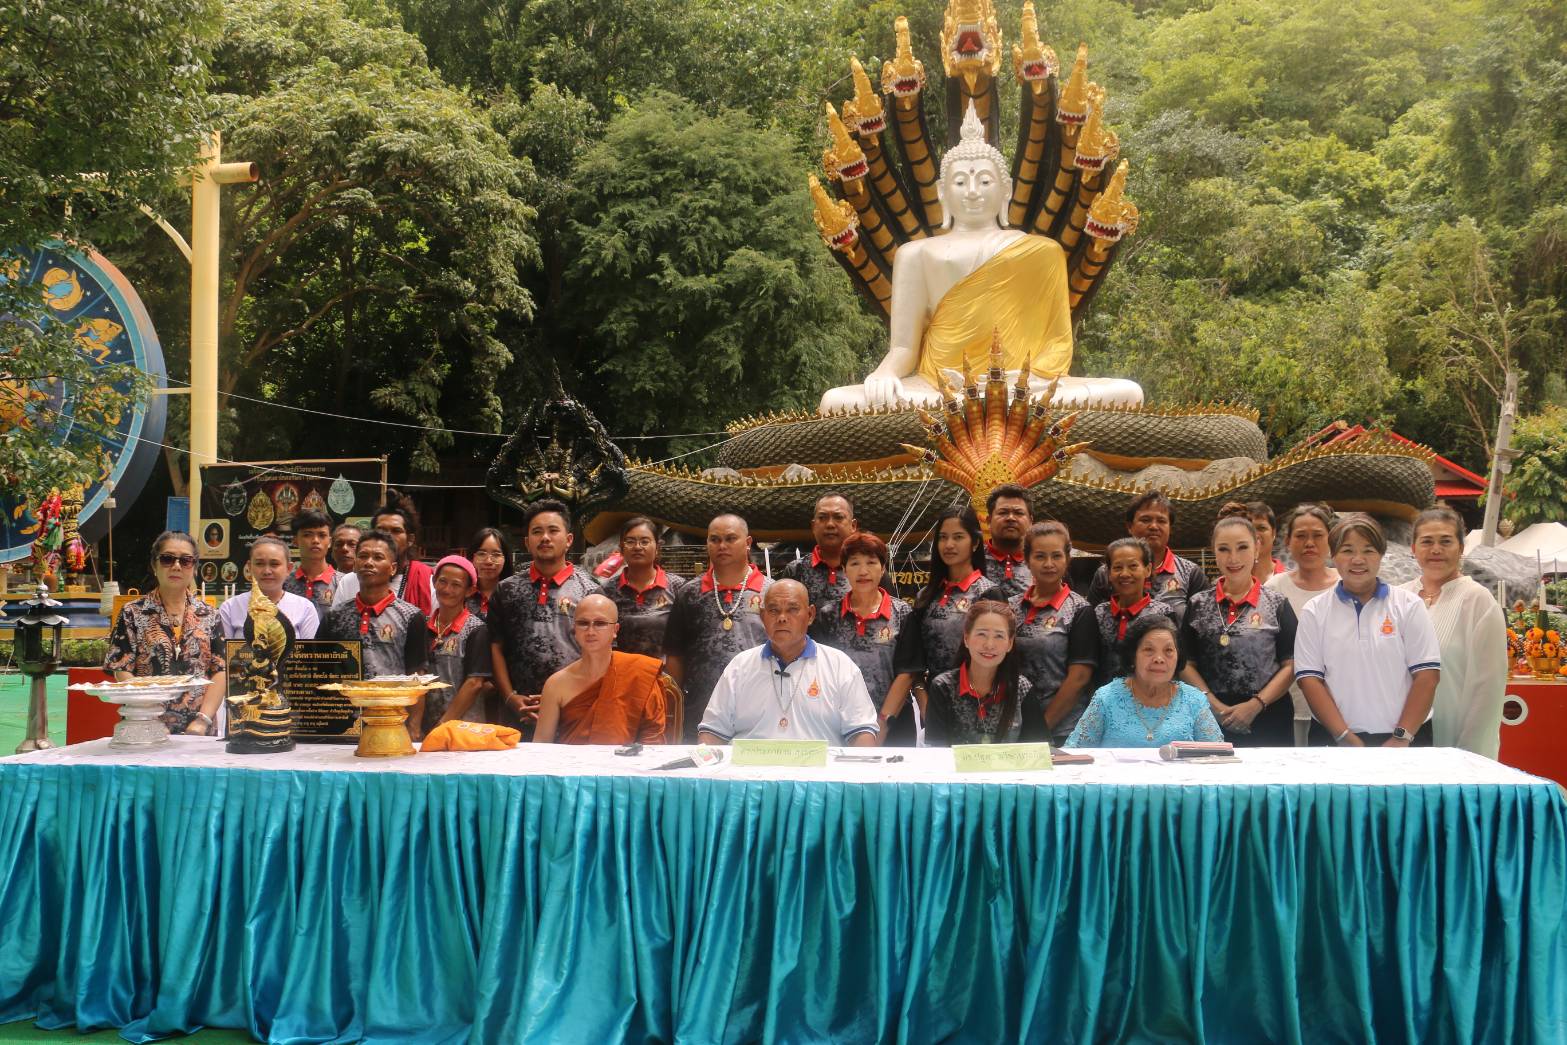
604 697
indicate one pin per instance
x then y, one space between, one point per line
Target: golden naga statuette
260 719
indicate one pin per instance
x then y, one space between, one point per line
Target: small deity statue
50 538
954 293
73 550
260 719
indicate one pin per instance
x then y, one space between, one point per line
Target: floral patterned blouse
147 641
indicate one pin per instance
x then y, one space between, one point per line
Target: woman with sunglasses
172 631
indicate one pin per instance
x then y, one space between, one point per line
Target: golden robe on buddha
1021 292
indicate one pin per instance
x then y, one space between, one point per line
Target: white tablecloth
1287 766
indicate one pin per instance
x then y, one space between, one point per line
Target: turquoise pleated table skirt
587 900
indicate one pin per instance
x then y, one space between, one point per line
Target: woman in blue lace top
1147 708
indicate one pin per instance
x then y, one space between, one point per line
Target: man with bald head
604 697
789 688
716 617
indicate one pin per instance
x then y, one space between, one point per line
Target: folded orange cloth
470 736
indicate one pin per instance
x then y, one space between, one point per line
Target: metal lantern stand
38 657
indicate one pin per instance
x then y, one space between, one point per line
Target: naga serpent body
1202 458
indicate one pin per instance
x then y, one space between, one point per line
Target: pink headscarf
461 563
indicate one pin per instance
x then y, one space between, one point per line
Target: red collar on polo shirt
1055 602
986 700
452 629
545 583
1007 559
884 609
753 580
660 580
816 560
325 576
1167 564
1278 567
950 586
368 610
1124 614
1252 597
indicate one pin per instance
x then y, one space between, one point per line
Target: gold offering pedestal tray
141 705
383 704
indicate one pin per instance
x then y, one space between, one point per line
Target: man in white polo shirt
1366 654
790 688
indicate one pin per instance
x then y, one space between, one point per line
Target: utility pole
206 197
1502 460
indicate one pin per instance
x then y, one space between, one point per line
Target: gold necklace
1430 600
1137 709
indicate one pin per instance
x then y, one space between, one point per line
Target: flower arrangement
1534 642
1542 648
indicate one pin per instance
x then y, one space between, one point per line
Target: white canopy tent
1548 541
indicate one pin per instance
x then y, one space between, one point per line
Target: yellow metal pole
206 196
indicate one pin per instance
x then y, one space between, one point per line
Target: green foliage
1536 488
74 653
373 261
1454 330
700 285
1301 358
102 103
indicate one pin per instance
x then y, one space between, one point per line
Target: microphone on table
701 755
1176 750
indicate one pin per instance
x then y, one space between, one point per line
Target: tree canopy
103 103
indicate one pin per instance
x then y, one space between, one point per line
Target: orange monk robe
626 705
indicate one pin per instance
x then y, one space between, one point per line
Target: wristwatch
1400 733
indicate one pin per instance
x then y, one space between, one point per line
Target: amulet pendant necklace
783 708
1137 709
729 614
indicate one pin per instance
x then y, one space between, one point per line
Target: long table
572 895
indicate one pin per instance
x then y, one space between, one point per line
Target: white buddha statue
952 292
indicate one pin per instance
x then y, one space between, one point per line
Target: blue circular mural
95 300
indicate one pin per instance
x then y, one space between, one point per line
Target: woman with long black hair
932 640
981 700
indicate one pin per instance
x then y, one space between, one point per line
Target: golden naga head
863 113
268 631
1112 215
835 219
844 160
1074 103
970 40
1097 145
904 76
1033 61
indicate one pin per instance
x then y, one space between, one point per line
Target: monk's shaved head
785 591
603 606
